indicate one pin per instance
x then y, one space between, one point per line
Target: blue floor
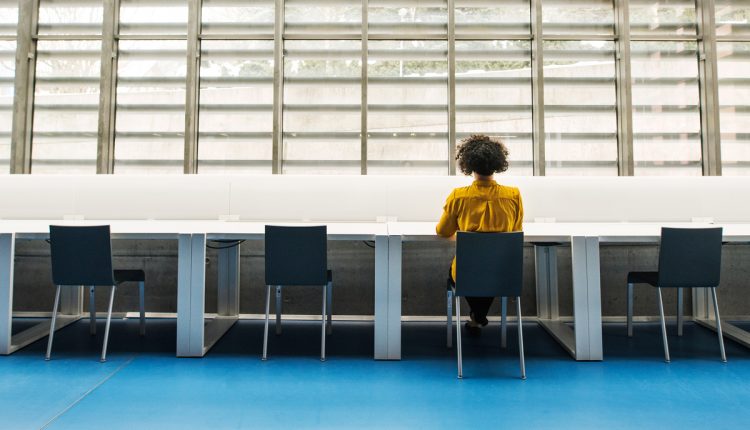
143 385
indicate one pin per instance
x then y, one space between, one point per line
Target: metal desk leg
7 251
587 305
381 297
394 297
228 303
191 281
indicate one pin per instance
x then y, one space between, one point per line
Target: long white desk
584 340
194 337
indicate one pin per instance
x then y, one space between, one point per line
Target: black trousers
479 306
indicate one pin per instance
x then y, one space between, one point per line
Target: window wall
585 87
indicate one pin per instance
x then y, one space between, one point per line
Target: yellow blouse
483 206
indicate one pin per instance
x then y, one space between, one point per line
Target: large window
580 117
150 124
322 107
8 22
407 105
236 106
321 100
493 96
666 114
734 99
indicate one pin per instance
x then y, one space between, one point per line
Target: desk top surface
409 231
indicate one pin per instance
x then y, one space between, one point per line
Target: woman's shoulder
508 191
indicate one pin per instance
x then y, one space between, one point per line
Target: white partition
365 198
308 198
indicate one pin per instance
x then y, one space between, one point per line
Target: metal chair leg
679 311
142 306
630 310
265 331
92 311
329 306
663 326
718 326
278 310
106 327
323 325
503 322
449 321
520 338
52 324
458 337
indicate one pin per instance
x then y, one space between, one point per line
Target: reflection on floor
144 386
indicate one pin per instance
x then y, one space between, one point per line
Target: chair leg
106 327
503 321
663 326
520 338
630 310
278 309
329 307
92 311
142 305
679 312
458 338
265 330
449 321
52 324
718 326
323 325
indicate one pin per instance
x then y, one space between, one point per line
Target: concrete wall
425 270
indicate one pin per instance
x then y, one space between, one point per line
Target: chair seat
130 276
651 278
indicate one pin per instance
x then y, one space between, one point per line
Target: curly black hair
482 154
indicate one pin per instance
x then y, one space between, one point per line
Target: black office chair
82 256
688 258
489 265
297 256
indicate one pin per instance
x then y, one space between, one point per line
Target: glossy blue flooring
143 385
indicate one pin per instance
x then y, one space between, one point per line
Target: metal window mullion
709 89
107 90
537 88
451 88
23 87
363 90
624 83
278 94
192 90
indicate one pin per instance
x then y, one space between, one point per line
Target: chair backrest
690 257
81 255
296 255
489 264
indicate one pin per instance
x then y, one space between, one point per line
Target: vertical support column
545 258
71 300
451 88
192 91
7 253
363 90
709 88
381 297
625 163
197 294
537 87
23 91
278 90
394 297
105 153
184 273
702 309
229 281
587 306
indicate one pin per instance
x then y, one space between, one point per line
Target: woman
484 206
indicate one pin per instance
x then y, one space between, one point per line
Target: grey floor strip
90 390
